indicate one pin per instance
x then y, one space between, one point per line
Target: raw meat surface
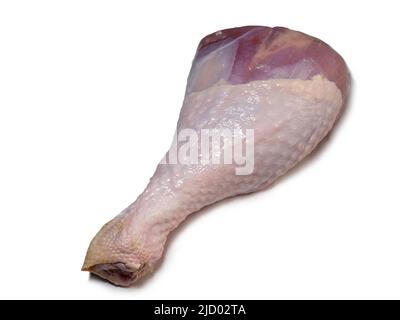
286 86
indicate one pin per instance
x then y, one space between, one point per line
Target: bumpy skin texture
287 86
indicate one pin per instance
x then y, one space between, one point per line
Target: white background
90 92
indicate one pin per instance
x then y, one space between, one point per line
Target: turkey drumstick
271 94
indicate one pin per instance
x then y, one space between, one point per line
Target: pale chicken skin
288 87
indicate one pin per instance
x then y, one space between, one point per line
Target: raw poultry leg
279 90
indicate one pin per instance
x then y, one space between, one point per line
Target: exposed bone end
115 255
117 273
